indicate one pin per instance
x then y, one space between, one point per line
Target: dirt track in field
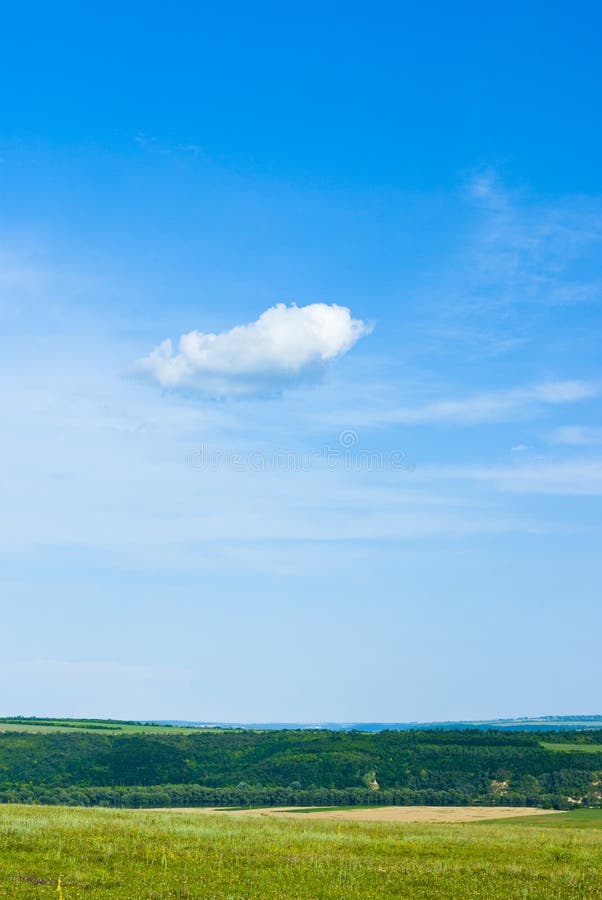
390 813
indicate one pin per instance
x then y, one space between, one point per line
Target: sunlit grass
577 818
133 854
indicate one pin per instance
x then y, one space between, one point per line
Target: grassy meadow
143 855
573 747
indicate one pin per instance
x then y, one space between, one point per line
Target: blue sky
425 187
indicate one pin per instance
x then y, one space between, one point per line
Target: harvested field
390 814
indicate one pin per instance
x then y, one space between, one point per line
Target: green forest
301 767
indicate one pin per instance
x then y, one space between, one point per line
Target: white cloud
284 345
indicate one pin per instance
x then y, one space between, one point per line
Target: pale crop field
385 813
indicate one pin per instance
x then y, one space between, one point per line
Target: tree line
298 768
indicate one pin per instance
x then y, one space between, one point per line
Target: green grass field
143 855
578 818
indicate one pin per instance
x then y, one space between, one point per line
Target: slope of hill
150 766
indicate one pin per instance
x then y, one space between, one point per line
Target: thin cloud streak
562 477
480 408
577 436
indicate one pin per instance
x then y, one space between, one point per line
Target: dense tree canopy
238 767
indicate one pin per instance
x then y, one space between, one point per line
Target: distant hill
542 723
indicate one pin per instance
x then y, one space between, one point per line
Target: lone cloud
285 345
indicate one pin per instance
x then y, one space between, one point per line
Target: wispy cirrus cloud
285 345
539 254
482 407
522 260
577 436
578 477
526 251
